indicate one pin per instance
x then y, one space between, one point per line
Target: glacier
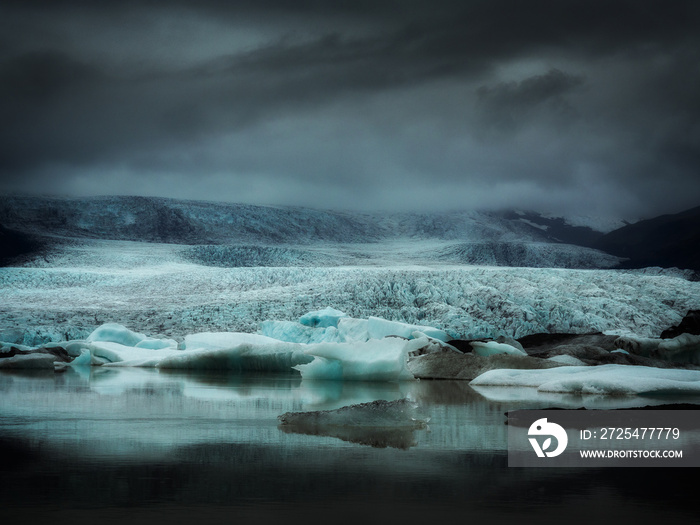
153 289
274 300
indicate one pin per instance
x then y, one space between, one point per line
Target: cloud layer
579 107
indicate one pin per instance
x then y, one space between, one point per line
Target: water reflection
379 423
140 444
536 399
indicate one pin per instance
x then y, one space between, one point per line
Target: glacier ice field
156 289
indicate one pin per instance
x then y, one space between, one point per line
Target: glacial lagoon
116 445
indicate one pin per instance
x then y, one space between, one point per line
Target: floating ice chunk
298 333
116 354
378 423
566 359
322 318
116 333
619 351
379 328
374 360
75 348
22 361
604 379
213 340
347 330
433 346
492 347
269 357
535 399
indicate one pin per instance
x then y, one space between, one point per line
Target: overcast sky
577 107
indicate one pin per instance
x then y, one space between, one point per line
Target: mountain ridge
666 240
501 238
158 219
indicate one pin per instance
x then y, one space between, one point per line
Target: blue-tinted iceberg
374 360
293 332
322 318
332 326
379 328
113 345
116 333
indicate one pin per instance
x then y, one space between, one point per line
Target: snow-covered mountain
247 235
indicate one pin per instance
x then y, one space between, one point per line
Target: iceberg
108 353
116 333
219 340
322 318
84 359
333 326
374 360
25 361
625 380
684 348
276 357
113 345
353 330
567 359
378 328
210 352
293 332
492 347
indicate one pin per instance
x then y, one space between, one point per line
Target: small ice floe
611 379
492 347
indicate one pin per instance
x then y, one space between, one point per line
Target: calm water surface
143 446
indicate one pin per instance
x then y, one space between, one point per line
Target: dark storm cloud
439 104
503 106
